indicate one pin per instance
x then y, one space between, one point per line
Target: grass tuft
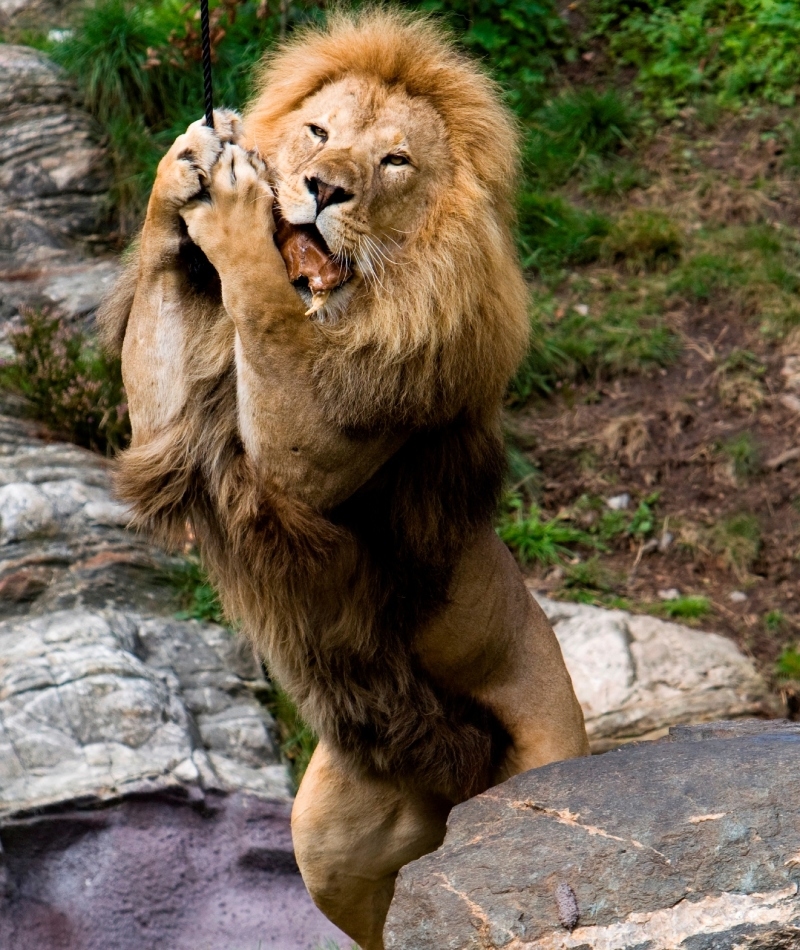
686 608
643 240
535 540
737 541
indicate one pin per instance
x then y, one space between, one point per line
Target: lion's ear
112 316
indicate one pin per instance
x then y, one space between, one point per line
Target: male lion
340 471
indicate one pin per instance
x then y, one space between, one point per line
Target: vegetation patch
67 383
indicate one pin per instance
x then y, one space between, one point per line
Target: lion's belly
284 431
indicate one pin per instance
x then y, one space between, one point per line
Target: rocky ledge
688 843
54 181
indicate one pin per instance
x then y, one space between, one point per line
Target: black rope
206 45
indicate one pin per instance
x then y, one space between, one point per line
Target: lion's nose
326 194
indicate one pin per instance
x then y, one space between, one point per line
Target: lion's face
363 163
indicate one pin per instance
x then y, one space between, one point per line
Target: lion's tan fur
341 477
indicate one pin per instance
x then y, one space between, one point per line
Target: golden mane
455 311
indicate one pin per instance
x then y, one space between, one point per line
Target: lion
340 469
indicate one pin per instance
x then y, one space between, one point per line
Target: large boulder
687 843
635 676
143 802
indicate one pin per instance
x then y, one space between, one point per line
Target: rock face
688 843
143 803
54 179
636 676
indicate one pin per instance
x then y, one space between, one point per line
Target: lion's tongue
305 255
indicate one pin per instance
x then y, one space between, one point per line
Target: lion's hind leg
352 833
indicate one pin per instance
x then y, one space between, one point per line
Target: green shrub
67 383
520 41
643 240
686 49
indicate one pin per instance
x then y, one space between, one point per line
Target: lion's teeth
318 301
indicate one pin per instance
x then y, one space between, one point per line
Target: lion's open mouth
309 262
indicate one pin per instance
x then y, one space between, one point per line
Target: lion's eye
318 132
396 160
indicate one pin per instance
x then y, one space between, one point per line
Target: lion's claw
186 168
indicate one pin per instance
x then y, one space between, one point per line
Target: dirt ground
712 442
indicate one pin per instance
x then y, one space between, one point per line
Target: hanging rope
205 34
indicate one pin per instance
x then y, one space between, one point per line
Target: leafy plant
67 383
521 41
687 49
643 522
534 539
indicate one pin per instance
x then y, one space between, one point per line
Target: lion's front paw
233 219
186 168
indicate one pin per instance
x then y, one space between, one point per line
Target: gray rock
54 180
157 874
635 676
670 845
101 694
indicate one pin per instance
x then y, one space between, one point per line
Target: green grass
536 540
685 608
554 234
737 541
623 336
197 593
707 275
775 621
574 129
643 240
787 666
588 578
743 453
